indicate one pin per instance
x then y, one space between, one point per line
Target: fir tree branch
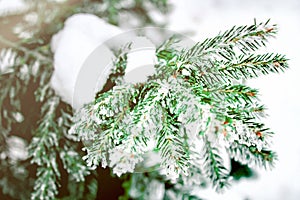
218 61
194 93
213 167
252 156
245 38
73 164
254 65
124 157
246 112
107 119
238 102
26 51
113 102
98 151
175 158
14 178
233 93
43 149
213 73
84 125
46 185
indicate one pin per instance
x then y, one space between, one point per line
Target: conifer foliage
195 108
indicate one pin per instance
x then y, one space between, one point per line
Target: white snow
83 57
278 92
81 35
9 7
140 60
17 148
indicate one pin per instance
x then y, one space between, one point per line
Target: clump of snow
91 26
140 60
83 58
17 148
81 35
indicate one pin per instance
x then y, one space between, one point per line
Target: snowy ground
278 92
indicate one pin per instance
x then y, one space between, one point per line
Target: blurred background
199 20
